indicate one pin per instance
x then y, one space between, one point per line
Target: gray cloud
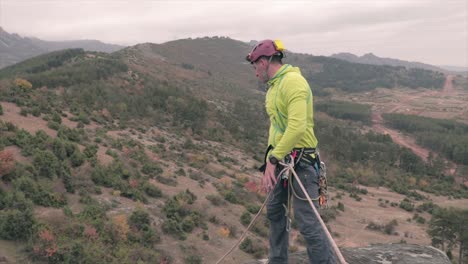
432 31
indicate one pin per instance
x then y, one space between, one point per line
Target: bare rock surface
381 254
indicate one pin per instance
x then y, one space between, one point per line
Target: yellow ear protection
278 45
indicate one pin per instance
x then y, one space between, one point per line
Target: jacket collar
278 75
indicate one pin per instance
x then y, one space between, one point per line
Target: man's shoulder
294 78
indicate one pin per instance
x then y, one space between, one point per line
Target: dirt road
398 137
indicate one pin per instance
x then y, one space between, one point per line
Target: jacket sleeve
294 92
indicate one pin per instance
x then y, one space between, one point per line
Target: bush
216 200
45 163
38 194
341 206
193 260
166 180
186 196
407 205
77 159
246 218
17 224
53 125
151 168
90 151
329 214
188 225
174 228
139 219
231 197
248 246
253 208
152 190
389 228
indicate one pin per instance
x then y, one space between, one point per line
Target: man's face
260 70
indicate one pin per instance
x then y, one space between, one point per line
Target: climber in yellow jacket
289 105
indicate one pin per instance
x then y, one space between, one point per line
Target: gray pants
318 247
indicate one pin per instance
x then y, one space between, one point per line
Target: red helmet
266 48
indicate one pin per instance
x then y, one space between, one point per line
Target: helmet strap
267 68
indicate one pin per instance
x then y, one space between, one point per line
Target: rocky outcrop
382 254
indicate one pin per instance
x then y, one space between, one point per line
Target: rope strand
290 166
324 227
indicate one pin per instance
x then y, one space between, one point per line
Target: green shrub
151 190
250 247
253 208
407 205
419 219
355 196
216 200
261 228
112 153
38 194
69 134
90 151
329 214
77 159
149 237
188 225
341 206
193 259
186 196
389 228
45 163
139 219
56 118
17 224
246 218
166 180
174 228
231 197
426 207
151 168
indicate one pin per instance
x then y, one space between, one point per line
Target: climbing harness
324 227
289 172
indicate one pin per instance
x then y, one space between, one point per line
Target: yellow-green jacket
289 104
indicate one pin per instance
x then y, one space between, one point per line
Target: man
289 107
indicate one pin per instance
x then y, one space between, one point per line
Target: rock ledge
381 254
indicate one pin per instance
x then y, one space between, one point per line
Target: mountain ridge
370 58
15 48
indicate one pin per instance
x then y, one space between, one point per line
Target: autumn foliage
7 162
22 83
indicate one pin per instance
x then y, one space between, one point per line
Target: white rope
249 226
324 227
290 167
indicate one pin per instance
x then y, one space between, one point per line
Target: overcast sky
430 31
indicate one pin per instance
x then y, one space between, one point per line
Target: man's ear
262 61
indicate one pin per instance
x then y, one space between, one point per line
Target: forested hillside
121 156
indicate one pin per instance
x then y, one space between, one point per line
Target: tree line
447 137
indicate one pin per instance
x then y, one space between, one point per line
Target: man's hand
269 177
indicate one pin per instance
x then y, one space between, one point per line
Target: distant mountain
370 58
454 68
15 48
